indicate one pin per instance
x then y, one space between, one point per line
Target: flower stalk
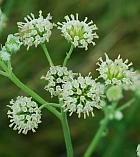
66 132
68 55
30 92
99 134
47 54
97 137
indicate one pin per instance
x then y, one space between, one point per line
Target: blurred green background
119 30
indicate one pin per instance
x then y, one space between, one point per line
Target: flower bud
114 93
118 115
12 44
4 55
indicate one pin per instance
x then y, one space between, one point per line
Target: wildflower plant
75 93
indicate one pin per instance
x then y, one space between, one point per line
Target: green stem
3 73
97 138
100 131
127 104
47 54
51 104
3 65
30 92
68 55
66 132
8 7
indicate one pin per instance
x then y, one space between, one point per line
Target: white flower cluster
35 31
82 95
79 33
116 72
12 45
138 150
56 77
3 21
24 114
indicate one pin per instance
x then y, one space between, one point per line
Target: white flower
12 44
116 72
79 33
4 55
3 21
82 95
24 114
56 77
35 31
138 150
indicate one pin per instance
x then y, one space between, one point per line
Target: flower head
3 21
35 31
138 150
56 77
79 33
82 95
116 72
4 55
13 43
24 114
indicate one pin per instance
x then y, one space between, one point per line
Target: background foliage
119 31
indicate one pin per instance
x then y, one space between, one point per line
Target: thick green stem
66 132
30 92
47 54
97 138
68 55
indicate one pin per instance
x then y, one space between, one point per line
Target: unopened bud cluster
11 46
